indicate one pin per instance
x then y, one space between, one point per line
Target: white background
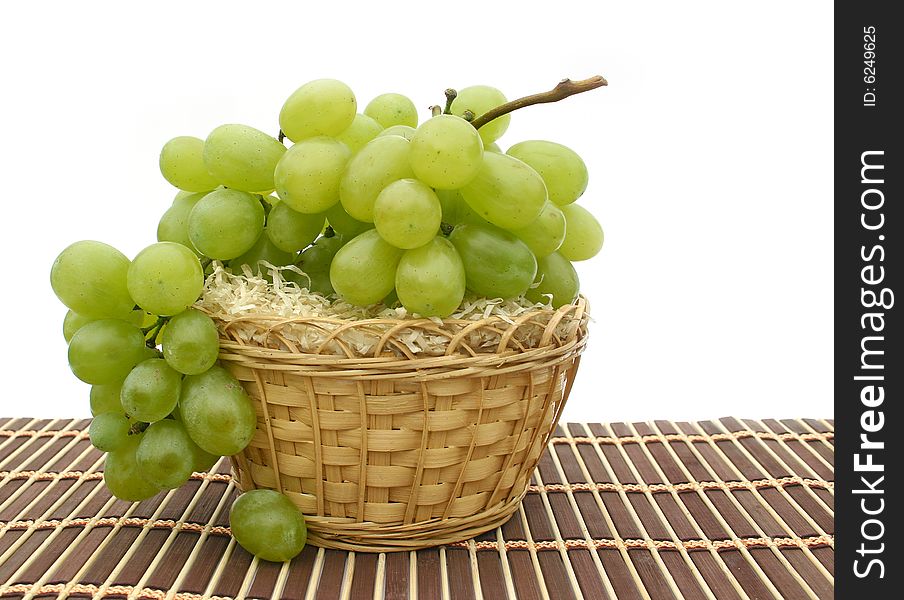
710 159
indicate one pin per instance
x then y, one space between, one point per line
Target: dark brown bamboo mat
727 509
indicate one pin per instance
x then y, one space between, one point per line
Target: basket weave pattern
395 451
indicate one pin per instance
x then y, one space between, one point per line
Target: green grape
225 223
190 342
430 280
173 226
479 99
497 264
242 158
182 164
506 192
262 250
319 107
362 130
380 162
90 278
583 234
557 278
455 210
307 177
151 390
494 147
545 235
392 109
290 230
446 152
401 130
563 171
165 278
216 412
315 262
72 322
363 270
165 454
201 460
344 224
105 398
105 351
268 525
122 475
407 213
109 431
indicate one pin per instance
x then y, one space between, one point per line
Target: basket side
398 458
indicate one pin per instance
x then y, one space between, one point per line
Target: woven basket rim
449 337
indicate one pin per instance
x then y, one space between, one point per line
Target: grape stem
450 96
563 89
154 331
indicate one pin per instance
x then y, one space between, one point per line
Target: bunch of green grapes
373 207
162 407
369 207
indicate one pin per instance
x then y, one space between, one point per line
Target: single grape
109 431
262 250
72 322
268 525
407 213
363 270
546 233
563 171
506 192
122 475
225 223
362 130
446 152
344 224
151 390
217 412
401 130
242 158
392 109
557 278
165 454
583 234
90 278
319 107
497 264
182 164
494 147
105 351
190 342
165 278
380 162
290 230
105 398
479 99
173 225
315 262
430 280
307 177
201 460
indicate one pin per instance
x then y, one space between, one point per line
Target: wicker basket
396 450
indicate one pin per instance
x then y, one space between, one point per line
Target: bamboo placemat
727 509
